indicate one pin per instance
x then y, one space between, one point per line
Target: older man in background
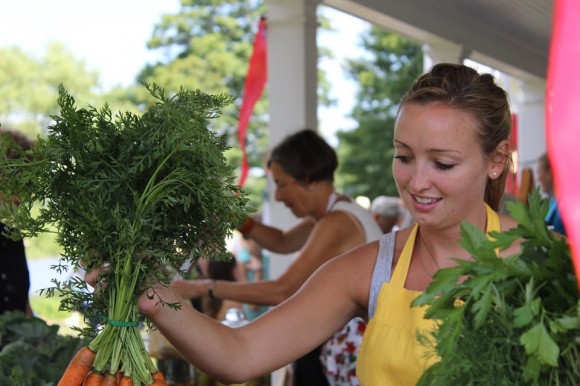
388 212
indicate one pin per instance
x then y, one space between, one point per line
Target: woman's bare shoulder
343 228
354 270
359 256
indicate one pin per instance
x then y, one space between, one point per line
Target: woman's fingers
92 276
188 289
152 300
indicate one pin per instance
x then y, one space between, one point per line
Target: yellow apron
390 353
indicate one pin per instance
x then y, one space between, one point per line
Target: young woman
451 160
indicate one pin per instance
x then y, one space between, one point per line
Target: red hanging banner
563 117
255 82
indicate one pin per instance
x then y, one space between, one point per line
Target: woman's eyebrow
397 142
443 151
432 150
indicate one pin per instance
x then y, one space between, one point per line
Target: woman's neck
443 244
325 199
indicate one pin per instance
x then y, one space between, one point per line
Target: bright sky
110 37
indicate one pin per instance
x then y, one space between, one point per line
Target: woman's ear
498 160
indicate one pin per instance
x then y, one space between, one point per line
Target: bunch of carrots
138 194
79 373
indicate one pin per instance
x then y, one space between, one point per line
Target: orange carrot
119 376
158 379
126 381
94 378
158 376
78 368
110 380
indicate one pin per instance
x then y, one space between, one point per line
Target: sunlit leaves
539 343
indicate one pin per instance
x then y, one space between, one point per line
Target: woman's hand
92 276
151 302
190 289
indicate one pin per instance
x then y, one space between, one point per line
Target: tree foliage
29 86
366 153
207 45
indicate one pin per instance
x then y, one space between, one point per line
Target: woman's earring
494 174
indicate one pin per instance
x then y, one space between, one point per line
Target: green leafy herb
519 323
140 193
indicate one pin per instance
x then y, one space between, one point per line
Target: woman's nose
419 178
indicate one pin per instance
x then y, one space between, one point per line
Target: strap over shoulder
382 271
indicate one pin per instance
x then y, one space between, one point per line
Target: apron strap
492 220
402 267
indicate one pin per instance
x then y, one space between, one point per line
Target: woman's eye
443 166
404 159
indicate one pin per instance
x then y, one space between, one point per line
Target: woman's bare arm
330 298
278 241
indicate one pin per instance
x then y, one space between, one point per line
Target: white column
292 90
292 93
531 122
442 52
292 66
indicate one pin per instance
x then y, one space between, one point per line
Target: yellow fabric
390 354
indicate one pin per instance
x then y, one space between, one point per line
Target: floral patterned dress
339 354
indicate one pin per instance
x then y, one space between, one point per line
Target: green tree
29 86
207 45
366 153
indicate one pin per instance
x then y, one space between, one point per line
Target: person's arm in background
279 241
335 233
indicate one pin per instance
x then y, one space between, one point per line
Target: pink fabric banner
563 117
255 82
